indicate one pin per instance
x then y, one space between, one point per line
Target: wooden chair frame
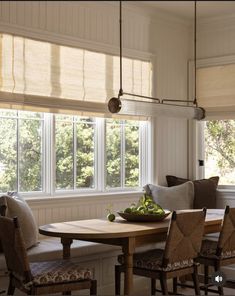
168 257
35 289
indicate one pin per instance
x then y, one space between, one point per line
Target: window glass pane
24 114
131 155
85 153
8 155
64 118
7 112
64 154
220 150
30 154
85 119
113 155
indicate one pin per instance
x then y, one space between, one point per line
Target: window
63 154
55 154
122 153
219 146
215 93
75 152
21 151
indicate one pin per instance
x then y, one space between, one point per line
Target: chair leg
11 287
163 284
153 286
175 285
117 279
93 288
195 281
206 274
220 288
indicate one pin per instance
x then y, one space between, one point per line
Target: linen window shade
216 91
45 77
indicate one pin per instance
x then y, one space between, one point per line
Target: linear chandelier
155 107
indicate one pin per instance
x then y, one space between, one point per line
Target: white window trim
197 126
49 188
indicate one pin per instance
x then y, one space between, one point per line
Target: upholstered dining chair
39 277
182 246
221 252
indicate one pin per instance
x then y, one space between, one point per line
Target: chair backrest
226 242
14 249
184 236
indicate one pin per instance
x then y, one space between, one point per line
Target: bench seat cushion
51 249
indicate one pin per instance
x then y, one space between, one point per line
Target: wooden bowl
143 217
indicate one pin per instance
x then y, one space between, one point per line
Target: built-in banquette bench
102 258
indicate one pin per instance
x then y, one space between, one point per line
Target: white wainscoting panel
51 210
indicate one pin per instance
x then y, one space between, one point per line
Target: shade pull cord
120 36
195 53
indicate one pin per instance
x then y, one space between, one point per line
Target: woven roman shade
216 91
45 77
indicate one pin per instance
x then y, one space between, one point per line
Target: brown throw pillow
3 205
17 206
204 190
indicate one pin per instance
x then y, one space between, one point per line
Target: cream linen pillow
17 206
172 198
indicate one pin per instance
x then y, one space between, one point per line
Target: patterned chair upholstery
39 277
178 258
152 260
219 253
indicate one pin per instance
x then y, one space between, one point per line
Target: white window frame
49 163
198 126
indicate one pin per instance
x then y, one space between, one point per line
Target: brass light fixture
155 106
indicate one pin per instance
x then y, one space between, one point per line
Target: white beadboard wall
216 37
56 209
94 25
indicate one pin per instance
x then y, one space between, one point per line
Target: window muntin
21 151
219 145
122 153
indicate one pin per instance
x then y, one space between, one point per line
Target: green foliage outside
122 146
74 152
220 150
29 153
132 155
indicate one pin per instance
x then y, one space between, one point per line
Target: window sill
83 197
226 190
226 194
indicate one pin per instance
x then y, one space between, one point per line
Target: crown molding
150 13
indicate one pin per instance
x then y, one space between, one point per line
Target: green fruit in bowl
128 211
111 217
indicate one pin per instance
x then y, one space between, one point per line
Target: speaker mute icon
218 278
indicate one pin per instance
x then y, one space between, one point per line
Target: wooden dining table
128 235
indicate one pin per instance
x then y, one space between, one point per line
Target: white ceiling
185 9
